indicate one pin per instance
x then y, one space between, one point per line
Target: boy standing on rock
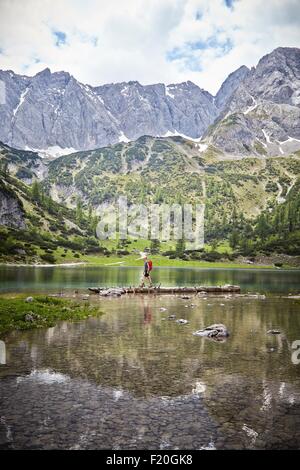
146 277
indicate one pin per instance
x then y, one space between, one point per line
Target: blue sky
61 38
229 3
146 40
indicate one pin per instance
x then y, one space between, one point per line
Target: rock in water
114 291
217 330
182 321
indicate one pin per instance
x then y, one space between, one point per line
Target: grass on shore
158 260
43 311
162 261
131 260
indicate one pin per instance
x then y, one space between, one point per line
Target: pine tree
214 244
90 212
155 246
5 169
224 221
180 247
234 216
262 227
79 211
158 196
93 224
36 191
234 239
50 204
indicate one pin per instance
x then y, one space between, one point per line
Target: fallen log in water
166 290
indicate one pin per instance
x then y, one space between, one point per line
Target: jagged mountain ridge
263 114
55 110
255 112
229 86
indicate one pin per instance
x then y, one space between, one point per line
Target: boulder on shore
113 291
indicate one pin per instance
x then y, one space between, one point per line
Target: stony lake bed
134 378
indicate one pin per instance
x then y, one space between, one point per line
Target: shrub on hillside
211 256
48 257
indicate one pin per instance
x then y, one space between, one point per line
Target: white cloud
124 40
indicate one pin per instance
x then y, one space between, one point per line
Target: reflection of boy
147 314
147 310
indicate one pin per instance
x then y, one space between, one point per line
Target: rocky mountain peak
263 114
56 110
230 85
289 56
43 73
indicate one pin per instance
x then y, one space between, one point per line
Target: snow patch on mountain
168 92
290 139
251 108
267 137
52 152
179 134
262 143
123 138
22 98
202 147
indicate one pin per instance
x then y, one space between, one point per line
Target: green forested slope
252 203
